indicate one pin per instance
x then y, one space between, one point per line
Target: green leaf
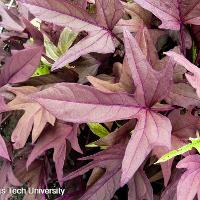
98 129
195 143
194 52
93 145
67 37
51 50
43 69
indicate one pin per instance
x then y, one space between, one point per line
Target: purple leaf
166 167
125 83
173 13
3 106
151 130
170 192
7 175
109 12
35 33
55 137
193 78
91 106
9 20
146 79
65 102
99 38
3 149
140 187
182 94
21 65
34 118
105 187
188 185
184 125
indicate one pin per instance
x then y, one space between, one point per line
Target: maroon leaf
55 137
7 175
196 34
34 177
135 17
166 167
170 192
21 65
184 125
57 76
87 66
105 187
34 32
140 187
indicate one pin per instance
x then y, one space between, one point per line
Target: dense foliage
101 98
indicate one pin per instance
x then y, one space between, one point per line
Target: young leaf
66 39
195 143
42 70
98 129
